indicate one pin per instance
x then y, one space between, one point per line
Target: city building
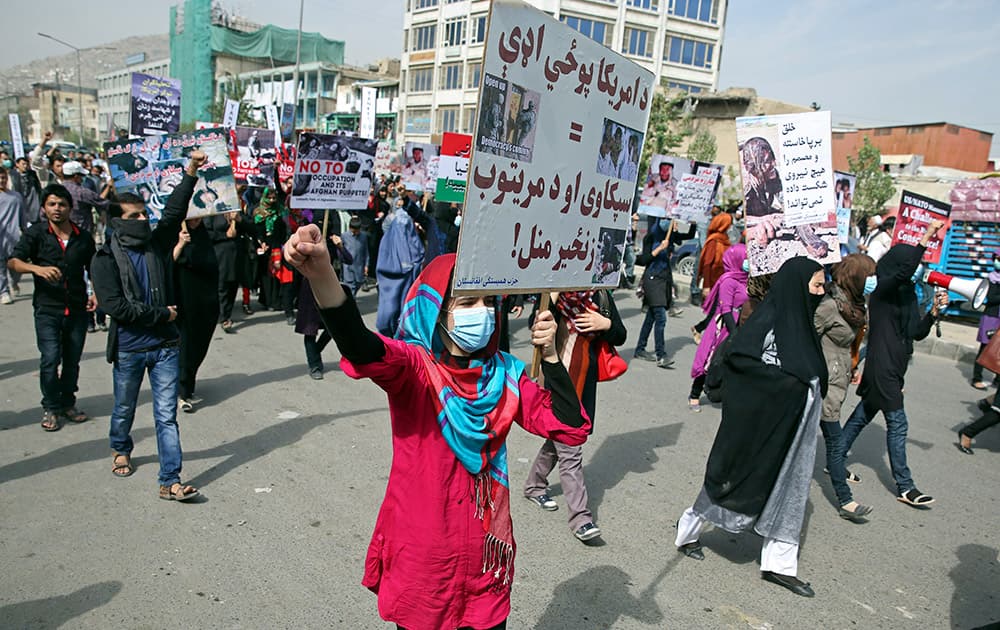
59 110
680 41
114 91
940 144
210 47
347 116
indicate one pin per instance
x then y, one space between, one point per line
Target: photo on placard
618 153
253 155
843 188
660 191
357 155
509 119
522 119
610 251
416 159
762 187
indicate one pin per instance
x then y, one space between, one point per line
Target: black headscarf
788 310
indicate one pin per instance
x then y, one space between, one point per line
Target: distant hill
93 61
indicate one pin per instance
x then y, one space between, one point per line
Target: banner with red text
915 213
561 122
333 171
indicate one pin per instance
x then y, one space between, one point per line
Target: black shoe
316 374
790 582
247 310
665 363
91 328
857 515
965 449
290 320
692 550
587 531
645 356
545 502
983 404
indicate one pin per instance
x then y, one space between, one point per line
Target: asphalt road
293 471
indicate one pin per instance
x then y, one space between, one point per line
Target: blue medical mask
7 164
664 224
746 266
870 283
458 220
473 327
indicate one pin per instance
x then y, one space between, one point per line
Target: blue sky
871 62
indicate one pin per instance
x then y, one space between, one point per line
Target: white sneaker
6 299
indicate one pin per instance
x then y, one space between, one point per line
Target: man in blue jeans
894 323
57 253
133 279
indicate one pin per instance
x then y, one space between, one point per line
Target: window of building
424 37
424 4
454 32
329 85
649 5
687 87
477 29
595 30
469 120
700 10
406 39
421 79
883 131
451 76
952 129
638 42
688 52
418 121
985 137
912 130
474 75
447 119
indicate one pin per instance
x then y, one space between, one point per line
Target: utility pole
295 74
79 78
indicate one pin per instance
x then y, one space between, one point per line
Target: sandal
915 498
178 492
122 470
247 310
980 385
186 405
857 515
852 477
51 421
694 406
75 415
227 327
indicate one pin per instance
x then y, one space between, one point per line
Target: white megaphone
974 290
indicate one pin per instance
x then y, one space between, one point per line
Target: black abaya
197 272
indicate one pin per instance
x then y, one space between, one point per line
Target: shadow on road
975 579
598 598
68 455
869 449
251 447
53 612
26 366
623 454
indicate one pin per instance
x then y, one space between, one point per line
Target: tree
234 91
874 187
702 147
669 124
731 190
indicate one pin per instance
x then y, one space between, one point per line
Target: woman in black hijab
761 463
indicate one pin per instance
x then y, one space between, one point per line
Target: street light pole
295 74
79 78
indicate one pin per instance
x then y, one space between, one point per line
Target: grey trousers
574 488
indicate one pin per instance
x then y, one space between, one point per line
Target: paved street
293 471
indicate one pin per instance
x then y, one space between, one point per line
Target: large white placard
232 114
367 125
15 135
556 151
333 171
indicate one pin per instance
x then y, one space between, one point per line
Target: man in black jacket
57 252
133 279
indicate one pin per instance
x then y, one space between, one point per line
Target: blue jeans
895 440
60 341
833 436
656 320
164 371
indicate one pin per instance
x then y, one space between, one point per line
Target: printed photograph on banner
843 188
787 179
618 154
152 167
508 120
253 155
333 171
915 213
609 256
660 191
416 156
287 116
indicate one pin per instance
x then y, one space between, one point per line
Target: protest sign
15 135
548 202
367 124
786 168
271 114
202 124
333 171
287 122
286 161
383 158
232 114
659 194
416 156
453 167
151 167
155 105
915 213
843 189
433 167
695 194
252 154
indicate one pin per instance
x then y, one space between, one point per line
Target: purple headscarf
732 265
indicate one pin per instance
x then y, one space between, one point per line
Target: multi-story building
939 144
680 41
114 91
59 110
